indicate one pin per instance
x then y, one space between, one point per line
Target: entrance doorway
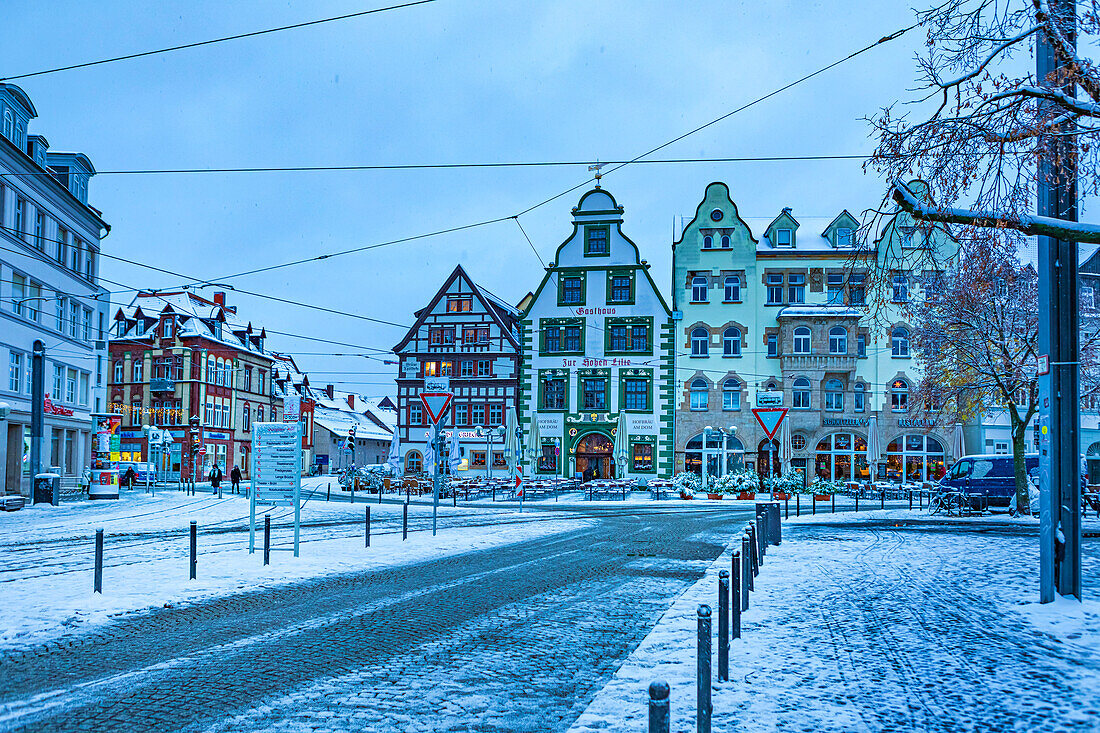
767 458
594 457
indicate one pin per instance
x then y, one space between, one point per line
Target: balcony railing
162 385
818 362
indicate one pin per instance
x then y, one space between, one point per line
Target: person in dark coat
129 477
235 478
215 478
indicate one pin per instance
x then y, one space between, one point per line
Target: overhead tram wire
212 41
211 283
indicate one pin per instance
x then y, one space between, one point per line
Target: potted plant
687 483
822 489
781 487
742 484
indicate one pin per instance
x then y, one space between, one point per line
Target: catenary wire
212 41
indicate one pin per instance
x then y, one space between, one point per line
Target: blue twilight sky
452 81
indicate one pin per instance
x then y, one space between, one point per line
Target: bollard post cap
658 690
724 574
704 611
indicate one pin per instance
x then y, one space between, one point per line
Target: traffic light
349 443
195 445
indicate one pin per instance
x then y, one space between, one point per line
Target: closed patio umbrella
393 460
511 442
957 443
873 445
786 451
620 449
534 443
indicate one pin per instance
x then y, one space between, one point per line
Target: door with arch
594 460
767 458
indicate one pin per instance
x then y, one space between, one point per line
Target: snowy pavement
883 621
513 638
47 553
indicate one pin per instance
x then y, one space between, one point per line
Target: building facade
49 291
174 355
773 313
597 354
335 412
470 336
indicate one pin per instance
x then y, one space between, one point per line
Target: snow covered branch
1026 224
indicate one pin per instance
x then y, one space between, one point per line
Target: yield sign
436 404
770 418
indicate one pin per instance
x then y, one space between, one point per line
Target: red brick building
177 354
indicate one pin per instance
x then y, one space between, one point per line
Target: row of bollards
193 554
734 587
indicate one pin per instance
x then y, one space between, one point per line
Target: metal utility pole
1059 483
38 400
437 459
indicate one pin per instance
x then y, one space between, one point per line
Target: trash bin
47 489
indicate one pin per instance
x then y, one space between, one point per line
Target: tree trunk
1019 447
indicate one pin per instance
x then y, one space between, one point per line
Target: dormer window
708 242
595 242
844 237
784 237
217 329
167 329
139 327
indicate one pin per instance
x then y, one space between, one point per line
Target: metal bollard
832 500
405 523
724 626
368 526
97 578
736 581
882 500
857 501
754 553
798 505
328 493
910 500
267 539
659 717
194 548
353 491
702 672
776 525
746 559
762 535
787 507
813 505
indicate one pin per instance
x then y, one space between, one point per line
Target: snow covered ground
882 621
47 553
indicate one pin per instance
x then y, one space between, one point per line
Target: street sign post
770 418
436 397
276 474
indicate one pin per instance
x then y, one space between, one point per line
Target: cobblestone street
517 638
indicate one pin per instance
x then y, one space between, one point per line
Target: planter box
780 496
716 497
747 495
822 497
686 498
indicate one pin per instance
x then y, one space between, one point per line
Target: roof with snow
195 317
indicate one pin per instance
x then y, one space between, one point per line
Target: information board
276 458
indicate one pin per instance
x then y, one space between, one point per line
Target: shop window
642 457
414 462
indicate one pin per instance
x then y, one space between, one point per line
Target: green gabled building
596 354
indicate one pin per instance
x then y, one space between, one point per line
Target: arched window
247 417
834 395
725 241
733 289
899 341
899 395
802 340
699 289
260 413
414 462
838 340
699 392
708 242
700 341
731 342
801 394
860 400
731 394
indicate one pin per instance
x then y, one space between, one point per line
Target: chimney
219 298
351 401
786 209
330 391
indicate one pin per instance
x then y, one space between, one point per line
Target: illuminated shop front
914 458
842 457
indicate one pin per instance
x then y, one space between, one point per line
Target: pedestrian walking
235 478
215 479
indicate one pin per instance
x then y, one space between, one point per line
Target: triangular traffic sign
770 418
436 404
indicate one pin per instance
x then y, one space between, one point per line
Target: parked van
992 475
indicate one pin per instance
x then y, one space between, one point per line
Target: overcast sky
452 81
